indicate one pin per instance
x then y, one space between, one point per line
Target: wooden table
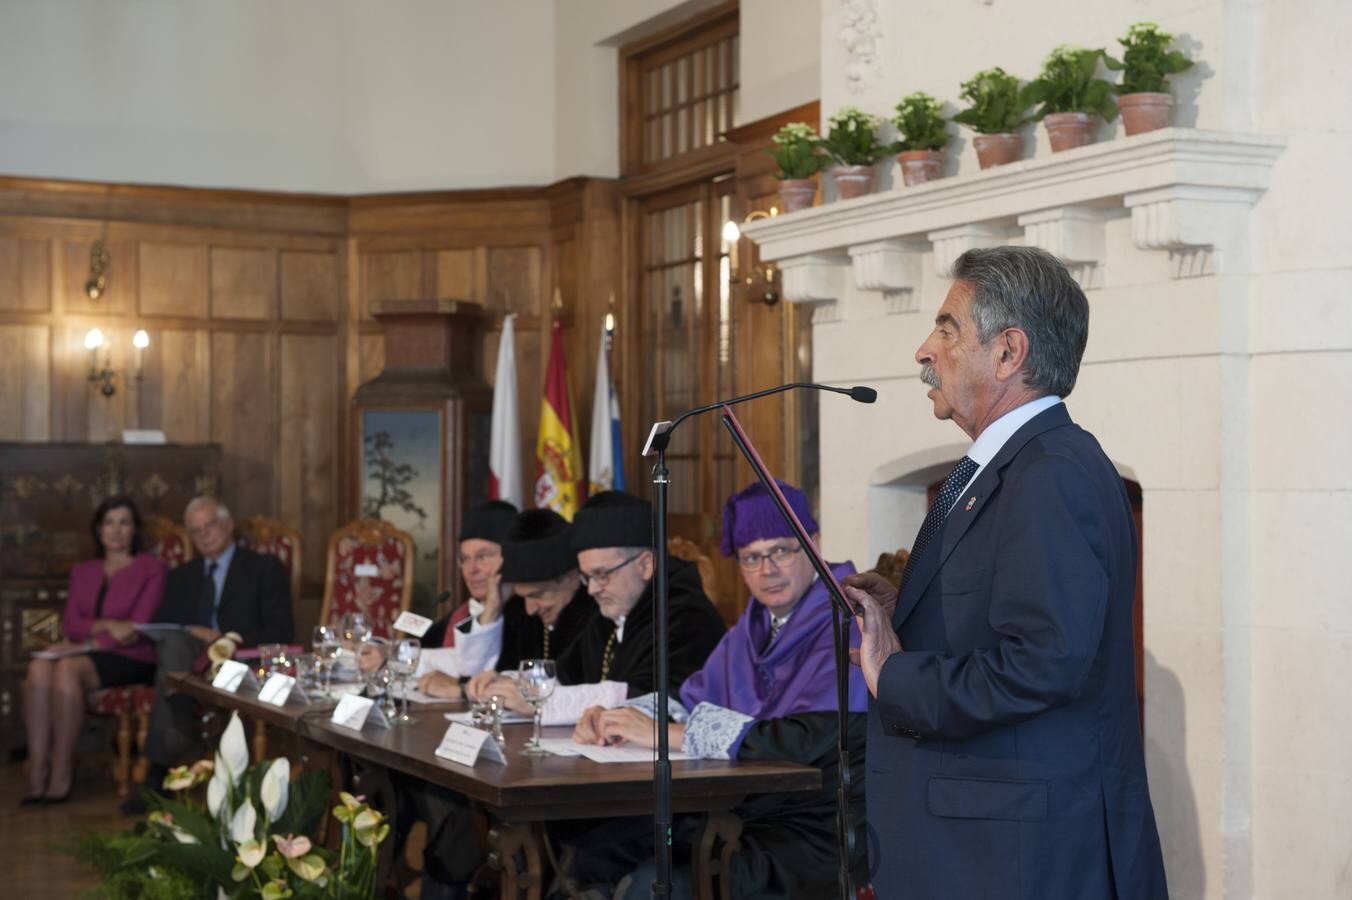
527 790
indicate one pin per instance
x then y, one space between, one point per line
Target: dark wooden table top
526 788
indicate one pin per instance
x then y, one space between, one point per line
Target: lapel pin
971 501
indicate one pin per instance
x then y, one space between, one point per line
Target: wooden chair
368 568
169 541
891 565
688 550
272 538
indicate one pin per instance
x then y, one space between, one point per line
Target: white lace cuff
714 732
566 704
647 704
479 647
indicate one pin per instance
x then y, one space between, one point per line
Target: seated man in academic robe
612 659
766 692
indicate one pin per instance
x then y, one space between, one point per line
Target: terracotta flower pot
919 166
852 181
1145 111
797 193
998 149
1068 130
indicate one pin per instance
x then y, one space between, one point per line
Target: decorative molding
1188 193
826 313
1075 234
890 265
860 31
814 278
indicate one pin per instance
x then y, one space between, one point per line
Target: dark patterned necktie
206 611
948 495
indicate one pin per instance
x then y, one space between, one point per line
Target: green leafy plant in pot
995 112
795 152
1146 64
1068 94
852 142
924 134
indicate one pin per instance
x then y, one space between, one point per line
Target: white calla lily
243 823
217 789
234 749
274 788
251 853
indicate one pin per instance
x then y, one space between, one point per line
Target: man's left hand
509 694
878 639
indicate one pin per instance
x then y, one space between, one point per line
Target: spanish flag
558 458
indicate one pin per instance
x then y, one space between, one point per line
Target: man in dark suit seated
1004 747
225 588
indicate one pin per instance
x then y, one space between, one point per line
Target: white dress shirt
998 433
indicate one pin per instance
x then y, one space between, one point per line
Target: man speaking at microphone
1004 747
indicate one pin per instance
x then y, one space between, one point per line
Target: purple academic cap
751 515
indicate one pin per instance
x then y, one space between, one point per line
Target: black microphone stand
658 441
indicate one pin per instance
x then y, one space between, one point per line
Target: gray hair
1029 289
202 500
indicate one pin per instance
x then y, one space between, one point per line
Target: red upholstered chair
169 541
369 569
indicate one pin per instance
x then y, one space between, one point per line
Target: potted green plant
921 127
1067 94
852 142
995 112
795 152
1146 64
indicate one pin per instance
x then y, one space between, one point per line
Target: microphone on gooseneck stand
659 438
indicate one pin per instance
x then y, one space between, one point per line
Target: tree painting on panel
401 483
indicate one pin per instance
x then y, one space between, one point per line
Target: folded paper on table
510 718
603 754
60 654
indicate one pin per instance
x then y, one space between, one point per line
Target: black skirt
115 670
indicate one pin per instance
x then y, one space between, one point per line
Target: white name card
366 570
465 745
354 712
232 675
279 688
412 623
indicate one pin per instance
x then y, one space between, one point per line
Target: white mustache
929 376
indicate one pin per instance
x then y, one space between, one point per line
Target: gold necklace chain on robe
609 653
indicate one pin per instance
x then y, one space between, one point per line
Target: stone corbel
950 243
1072 233
891 266
817 278
1199 226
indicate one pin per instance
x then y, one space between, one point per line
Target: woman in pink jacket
108 596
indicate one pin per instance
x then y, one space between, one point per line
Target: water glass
327 644
306 668
379 683
272 658
537 680
356 629
404 661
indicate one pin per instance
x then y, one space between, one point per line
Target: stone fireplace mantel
1188 194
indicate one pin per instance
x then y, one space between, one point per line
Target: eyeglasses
778 555
602 578
483 556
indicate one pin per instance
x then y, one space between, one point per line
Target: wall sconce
105 376
99 260
762 279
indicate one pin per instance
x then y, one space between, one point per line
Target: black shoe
134 805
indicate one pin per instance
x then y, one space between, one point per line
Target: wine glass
326 644
356 628
536 682
404 661
379 682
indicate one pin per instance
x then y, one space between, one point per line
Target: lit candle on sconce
140 341
93 341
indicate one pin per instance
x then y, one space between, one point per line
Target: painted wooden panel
243 283
308 464
25 274
25 382
173 280
309 286
244 418
514 279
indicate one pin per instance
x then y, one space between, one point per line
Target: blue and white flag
605 469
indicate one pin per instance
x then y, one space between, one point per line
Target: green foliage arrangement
1067 84
795 151
994 103
247 842
1147 61
853 138
920 123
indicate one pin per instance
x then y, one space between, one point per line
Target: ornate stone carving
1196 225
814 278
891 266
950 243
860 31
1073 233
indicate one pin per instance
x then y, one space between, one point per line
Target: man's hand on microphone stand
874 598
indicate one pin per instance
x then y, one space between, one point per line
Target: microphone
660 435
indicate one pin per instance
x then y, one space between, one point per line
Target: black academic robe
694 628
523 635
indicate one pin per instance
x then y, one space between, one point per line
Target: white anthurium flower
273 790
217 790
251 852
243 823
234 750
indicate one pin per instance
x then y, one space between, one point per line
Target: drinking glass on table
327 644
271 658
356 627
379 685
537 680
404 661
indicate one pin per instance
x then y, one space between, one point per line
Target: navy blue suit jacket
1004 748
